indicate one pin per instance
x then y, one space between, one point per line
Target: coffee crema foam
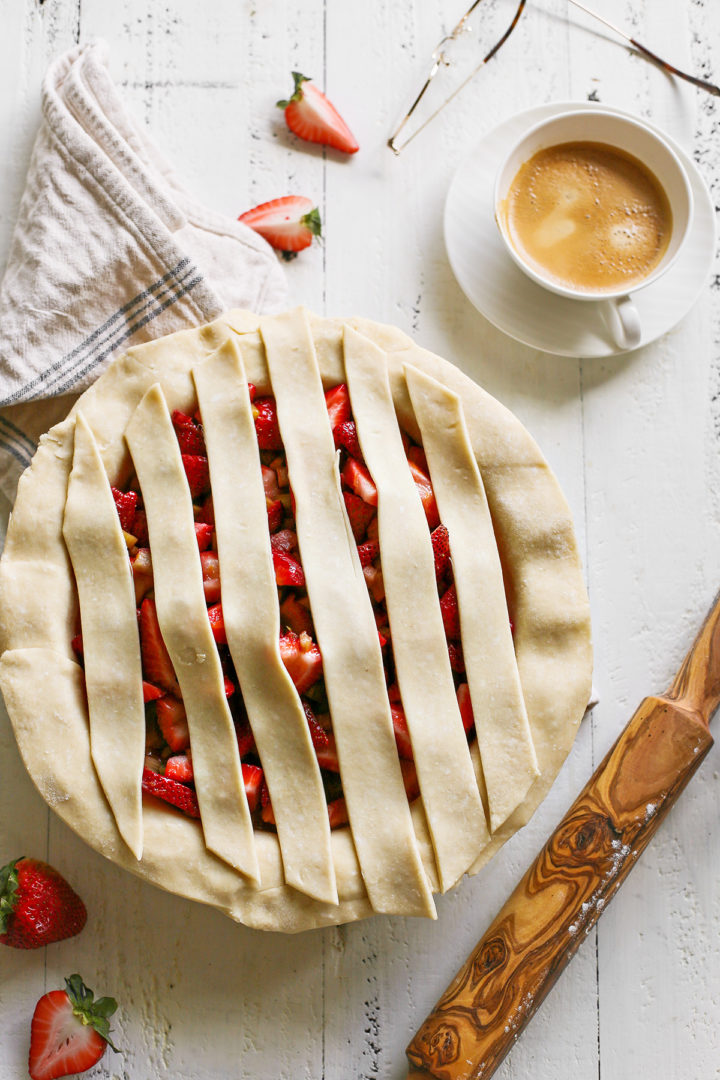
588 216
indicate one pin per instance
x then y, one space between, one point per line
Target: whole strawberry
37 906
70 1031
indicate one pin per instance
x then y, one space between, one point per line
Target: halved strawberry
287 570
267 428
441 550
359 480
288 224
346 436
203 534
295 615
142 571
309 114
327 755
126 502
337 812
197 472
172 721
359 513
275 514
150 692
302 659
70 1031
337 400
179 767
171 791
427 495
157 665
211 576
217 623
368 552
318 734
189 434
402 735
465 705
450 614
253 779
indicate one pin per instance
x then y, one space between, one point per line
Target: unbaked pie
293 620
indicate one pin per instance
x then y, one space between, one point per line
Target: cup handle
624 322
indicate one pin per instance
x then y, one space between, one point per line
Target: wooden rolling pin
583 864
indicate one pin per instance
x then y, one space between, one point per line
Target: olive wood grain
575 876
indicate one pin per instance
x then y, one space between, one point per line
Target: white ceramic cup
634 138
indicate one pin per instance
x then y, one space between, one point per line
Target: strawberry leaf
92 1013
8 893
297 92
312 221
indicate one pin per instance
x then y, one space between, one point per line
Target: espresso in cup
588 216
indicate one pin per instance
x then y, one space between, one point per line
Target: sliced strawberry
172 721
337 400
427 495
368 552
228 686
287 570
302 659
268 815
275 513
171 791
252 391
270 483
337 812
126 502
310 116
142 571
285 540
203 535
211 576
217 623
417 455
288 224
394 694
457 659
197 472
327 755
150 692
359 480
77 645
410 780
375 583
267 428
359 513
156 662
318 734
245 739
402 735
189 434
373 528
465 704
140 529
382 639
179 767
295 615
253 780
69 1032
346 436
450 614
441 550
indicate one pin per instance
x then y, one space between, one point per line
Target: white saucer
535 316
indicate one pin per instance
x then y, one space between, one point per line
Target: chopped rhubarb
302 659
140 529
179 767
157 665
417 455
285 540
427 496
173 723
217 623
266 424
359 513
211 576
150 692
126 502
337 813
171 791
327 755
337 401
287 570
275 513
295 615
142 571
359 480
270 483
253 780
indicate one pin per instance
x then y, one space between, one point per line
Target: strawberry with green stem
310 116
37 906
69 1032
288 224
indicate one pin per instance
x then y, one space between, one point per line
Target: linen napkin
108 251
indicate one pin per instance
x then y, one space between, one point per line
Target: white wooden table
634 440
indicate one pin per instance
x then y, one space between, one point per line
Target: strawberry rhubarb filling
168 772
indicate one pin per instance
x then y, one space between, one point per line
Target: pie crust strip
506 747
185 627
448 786
377 805
252 623
111 645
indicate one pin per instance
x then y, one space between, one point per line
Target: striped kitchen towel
108 251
